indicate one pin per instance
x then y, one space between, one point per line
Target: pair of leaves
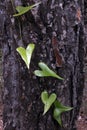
22 10
59 109
26 53
47 100
26 56
46 71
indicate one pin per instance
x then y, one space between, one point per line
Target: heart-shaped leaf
59 109
45 72
48 101
26 53
22 10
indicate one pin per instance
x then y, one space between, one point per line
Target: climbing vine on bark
48 101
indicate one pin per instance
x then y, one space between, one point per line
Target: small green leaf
59 109
22 10
45 72
57 117
26 53
49 102
62 107
44 96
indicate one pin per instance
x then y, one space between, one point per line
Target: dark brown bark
22 104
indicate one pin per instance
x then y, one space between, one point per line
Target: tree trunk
57 29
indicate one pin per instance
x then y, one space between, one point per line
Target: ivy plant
26 53
46 71
48 101
22 10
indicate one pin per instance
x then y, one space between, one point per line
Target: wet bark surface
82 118
55 19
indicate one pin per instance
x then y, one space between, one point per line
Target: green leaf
62 107
44 96
57 116
45 72
26 53
59 109
22 10
48 101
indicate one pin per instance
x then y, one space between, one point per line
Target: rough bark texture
22 104
82 118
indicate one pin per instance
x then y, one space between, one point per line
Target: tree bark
53 24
